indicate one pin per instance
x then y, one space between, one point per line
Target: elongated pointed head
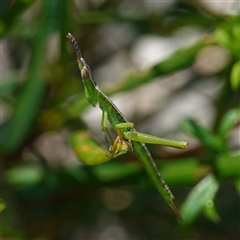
90 89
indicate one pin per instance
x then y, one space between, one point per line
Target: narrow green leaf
210 211
114 171
230 119
235 75
200 196
204 135
181 171
223 38
228 165
25 175
180 59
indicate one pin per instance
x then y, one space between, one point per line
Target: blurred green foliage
41 95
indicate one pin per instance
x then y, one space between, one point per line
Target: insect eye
85 73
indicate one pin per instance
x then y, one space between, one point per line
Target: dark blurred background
172 68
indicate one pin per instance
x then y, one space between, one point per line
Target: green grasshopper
128 139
